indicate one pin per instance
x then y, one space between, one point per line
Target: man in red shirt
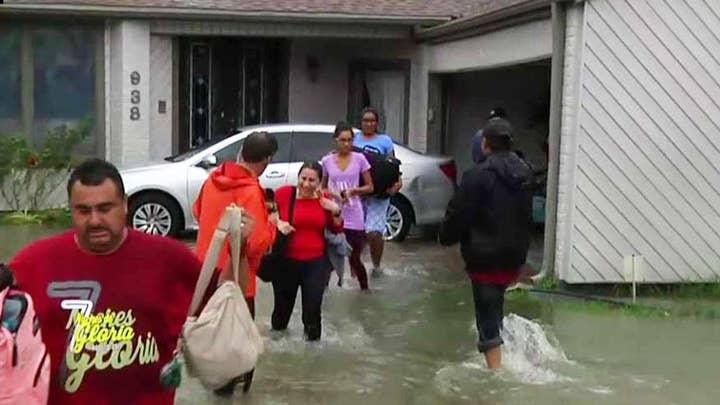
111 300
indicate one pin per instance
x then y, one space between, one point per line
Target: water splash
529 353
530 356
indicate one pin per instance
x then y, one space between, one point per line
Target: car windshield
194 151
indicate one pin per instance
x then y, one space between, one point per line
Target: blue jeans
489 303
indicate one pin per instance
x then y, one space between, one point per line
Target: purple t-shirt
339 180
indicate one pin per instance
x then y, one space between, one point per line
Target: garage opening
465 100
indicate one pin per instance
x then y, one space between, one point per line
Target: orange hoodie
233 183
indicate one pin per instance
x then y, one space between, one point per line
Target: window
283 153
64 67
64 78
200 96
10 81
51 76
230 152
311 145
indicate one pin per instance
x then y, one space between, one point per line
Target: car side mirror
208 161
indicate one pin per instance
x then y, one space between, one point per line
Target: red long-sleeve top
309 221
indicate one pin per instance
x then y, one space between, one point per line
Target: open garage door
522 90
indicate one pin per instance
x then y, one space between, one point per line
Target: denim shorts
489 302
376 214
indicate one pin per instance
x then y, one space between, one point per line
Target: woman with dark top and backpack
372 143
342 170
307 266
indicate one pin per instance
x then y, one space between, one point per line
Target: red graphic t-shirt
110 322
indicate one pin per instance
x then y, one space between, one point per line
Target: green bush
28 175
54 216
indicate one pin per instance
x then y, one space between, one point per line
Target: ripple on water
342 335
601 390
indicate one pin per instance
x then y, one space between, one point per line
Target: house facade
160 77
632 88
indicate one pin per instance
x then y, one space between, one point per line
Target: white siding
646 161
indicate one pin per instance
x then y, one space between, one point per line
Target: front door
385 86
226 88
226 84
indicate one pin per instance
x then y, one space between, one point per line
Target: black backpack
384 170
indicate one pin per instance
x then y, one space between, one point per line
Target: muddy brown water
412 341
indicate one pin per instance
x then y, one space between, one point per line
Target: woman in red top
308 267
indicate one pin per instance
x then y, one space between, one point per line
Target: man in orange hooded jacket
238 183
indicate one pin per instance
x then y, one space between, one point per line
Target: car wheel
155 214
398 220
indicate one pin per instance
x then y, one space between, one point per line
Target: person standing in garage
477 155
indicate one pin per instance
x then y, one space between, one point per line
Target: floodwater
412 341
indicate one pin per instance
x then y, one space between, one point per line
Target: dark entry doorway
229 83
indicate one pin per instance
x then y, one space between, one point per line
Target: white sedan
161 195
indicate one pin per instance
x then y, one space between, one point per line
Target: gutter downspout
558 10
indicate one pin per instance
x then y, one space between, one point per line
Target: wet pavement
412 341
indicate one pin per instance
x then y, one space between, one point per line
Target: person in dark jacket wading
490 215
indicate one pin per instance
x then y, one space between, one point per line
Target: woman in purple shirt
341 176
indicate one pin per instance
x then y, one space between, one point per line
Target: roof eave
531 10
198 14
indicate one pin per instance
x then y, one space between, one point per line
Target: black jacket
491 213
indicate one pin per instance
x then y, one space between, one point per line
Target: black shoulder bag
272 263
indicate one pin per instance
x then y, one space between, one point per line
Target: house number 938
135 96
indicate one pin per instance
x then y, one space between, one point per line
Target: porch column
129 93
418 136
161 96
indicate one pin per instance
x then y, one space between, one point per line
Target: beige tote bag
222 342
